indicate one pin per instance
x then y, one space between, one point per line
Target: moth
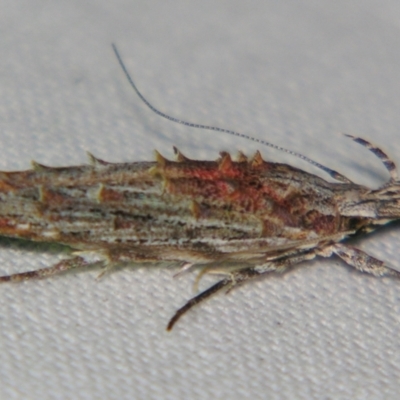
242 218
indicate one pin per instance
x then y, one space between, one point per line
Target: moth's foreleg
62 266
362 261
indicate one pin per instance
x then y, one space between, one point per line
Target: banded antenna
334 174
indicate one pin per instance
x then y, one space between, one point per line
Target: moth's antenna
387 162
334 174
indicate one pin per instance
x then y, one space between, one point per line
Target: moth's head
389 191
386 200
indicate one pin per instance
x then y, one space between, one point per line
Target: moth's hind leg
362 261
107 260
62 266
240 276
387 162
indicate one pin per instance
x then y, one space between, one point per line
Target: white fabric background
294 73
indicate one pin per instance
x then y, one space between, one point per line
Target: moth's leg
362 261
387 162
117 257
183 268
240 276
198 299
81 259
64 265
